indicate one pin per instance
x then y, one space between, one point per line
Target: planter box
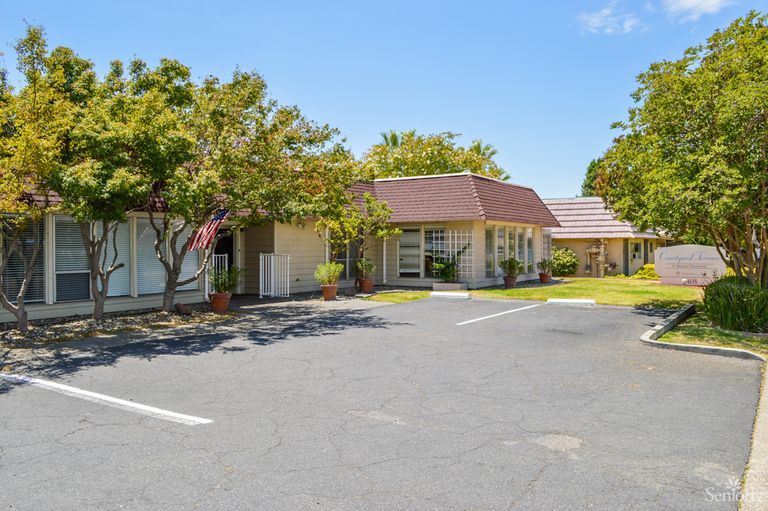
444 286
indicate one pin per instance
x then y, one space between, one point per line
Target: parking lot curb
651 337
753 492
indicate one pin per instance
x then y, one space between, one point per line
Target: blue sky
542 81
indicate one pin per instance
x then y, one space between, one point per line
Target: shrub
328 273
365 267
646 272
225 281
735 304
544 266
511 267
564 262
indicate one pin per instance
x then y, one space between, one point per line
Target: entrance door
225 250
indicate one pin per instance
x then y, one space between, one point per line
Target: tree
360 221
33 138
409 154
588 185
250 156
692 157
481 149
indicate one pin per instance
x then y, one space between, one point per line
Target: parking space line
499 314
94 397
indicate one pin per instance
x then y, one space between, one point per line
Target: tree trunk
169 294
99 297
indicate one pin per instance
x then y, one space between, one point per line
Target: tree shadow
262 327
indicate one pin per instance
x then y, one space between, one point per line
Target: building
604 245
479 219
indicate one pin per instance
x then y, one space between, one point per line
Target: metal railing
274 275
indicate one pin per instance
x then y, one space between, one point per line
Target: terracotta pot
220 302
329 291
545 278
510 282
366 285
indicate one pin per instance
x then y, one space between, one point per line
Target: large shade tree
693 156
35 129
410 154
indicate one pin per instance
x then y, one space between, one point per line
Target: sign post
688 265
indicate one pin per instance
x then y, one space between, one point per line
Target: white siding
150 271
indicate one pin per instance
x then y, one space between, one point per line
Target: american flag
205 234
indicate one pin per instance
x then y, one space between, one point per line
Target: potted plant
365 269
545 270
511 268
447 268
223 283
327 274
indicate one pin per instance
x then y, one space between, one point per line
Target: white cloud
692 10
609 20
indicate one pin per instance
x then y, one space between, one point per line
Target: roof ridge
476 196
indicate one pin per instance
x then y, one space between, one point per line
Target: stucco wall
614 253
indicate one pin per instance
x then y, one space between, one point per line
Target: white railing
219 262
274 275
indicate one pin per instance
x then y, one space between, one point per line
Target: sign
688 265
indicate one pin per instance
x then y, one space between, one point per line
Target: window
434 247
490 270
409 253
150 273
511 246
13 276
529 244
120 281
520 244
348 259
191 261
637 251
500 249
72 267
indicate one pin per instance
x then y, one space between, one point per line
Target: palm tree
392 139
484 150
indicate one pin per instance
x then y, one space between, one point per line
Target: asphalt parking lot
393 407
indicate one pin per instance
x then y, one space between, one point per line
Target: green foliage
408 154
736 304
511 267
564 262
588 185
225 281
545 265
691 159
447 268
647 272
357 220
365 267
328 273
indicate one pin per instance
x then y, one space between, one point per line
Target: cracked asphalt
355 407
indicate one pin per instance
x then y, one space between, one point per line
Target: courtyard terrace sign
689 265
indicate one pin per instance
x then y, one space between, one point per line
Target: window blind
120 281
150 273
13 276
71 261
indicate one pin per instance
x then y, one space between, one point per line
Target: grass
698 330
634 293
399 296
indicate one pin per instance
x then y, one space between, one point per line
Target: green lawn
637 293
398 296
698 330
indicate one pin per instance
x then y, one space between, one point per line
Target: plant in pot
545 270
511 268
223 282
447 269
365 269
327 274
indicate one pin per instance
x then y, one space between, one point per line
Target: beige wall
257 240
301 242
614 253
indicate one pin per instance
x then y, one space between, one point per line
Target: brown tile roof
453 197
588 218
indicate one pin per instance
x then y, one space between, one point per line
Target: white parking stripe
130 406
499 314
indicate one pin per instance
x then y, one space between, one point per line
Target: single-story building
483 220
603 244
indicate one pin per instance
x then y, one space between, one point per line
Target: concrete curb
754 493
650 337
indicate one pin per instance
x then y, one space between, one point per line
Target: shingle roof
588 218
453 197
